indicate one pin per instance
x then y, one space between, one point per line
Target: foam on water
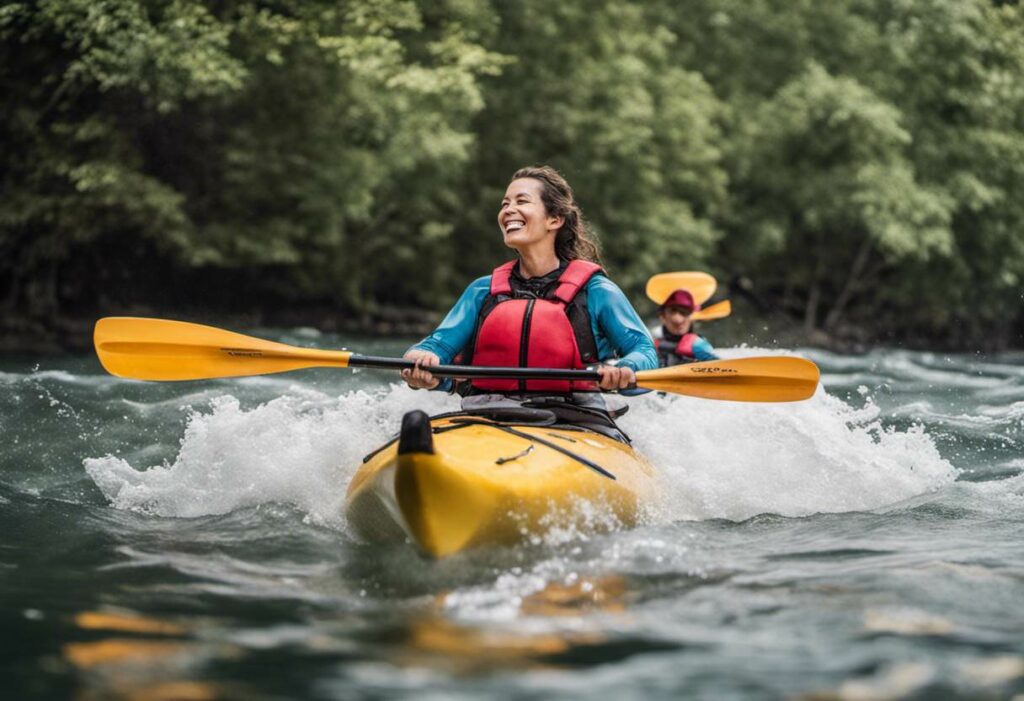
717 459
734 460
300 449
57 376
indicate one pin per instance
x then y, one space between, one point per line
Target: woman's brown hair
572 241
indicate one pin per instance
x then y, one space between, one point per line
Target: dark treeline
854 165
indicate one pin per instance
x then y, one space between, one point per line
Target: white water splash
735 460
718 459
300 449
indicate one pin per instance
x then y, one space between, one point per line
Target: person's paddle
700 285
719 310
160 349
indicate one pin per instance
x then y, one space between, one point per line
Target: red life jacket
518 330
682 349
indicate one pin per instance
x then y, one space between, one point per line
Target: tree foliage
860 161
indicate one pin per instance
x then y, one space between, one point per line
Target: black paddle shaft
373 361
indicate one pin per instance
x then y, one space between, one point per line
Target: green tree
594 92
951 74
317 141
956 71
78 74
828 183
860 160
337 161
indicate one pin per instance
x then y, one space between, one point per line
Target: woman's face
522 217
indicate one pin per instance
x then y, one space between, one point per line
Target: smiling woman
551 307
542 191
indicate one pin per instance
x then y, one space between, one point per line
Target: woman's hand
418 377
616 377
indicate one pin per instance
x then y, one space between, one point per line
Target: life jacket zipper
524 341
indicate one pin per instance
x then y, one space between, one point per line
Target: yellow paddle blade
769 379
700 285
160 349
715 311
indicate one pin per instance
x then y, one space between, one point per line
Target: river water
186 541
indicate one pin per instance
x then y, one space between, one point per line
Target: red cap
680 298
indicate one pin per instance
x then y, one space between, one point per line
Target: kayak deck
456 482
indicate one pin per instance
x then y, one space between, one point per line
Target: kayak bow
458 482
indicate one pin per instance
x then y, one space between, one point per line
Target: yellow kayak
461 481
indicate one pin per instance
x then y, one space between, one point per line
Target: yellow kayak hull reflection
484 485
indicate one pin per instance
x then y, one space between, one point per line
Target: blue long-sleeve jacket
703 350
617 327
